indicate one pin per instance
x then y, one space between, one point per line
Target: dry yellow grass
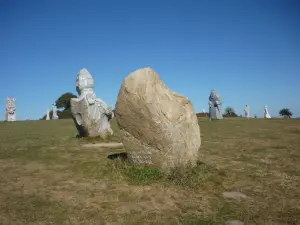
48 177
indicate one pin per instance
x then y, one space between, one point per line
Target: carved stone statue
54 112
48 115
266 113
215 110
247 111
91 115
10 114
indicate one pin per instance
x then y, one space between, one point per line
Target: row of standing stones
157 125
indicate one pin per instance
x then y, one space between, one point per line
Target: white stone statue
54 112
48 115
266 113
90 114
10 114
247 111
215 102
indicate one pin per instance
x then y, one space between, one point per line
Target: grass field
248 170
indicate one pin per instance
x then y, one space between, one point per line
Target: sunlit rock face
157 125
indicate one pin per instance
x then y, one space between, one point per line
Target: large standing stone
11 109
90 114
158 126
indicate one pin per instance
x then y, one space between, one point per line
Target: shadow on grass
121 155
294 130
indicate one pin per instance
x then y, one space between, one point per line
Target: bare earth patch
234 195
234 222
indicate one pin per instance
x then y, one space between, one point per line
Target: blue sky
249 51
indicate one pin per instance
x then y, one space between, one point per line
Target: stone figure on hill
91 115
215 110
247 111
54 112
11 109
47 115
266 113
157 125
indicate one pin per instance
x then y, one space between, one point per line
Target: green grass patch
142 174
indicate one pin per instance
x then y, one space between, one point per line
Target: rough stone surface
234 195
158 126
214 102
11 109
91 115
234 222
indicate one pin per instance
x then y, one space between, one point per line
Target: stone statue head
10 99
214 97
84 81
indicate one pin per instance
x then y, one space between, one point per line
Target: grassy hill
248 170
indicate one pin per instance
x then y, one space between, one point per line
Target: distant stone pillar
11 109
54 112
48 115
247 111
266 113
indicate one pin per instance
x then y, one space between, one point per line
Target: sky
249 51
